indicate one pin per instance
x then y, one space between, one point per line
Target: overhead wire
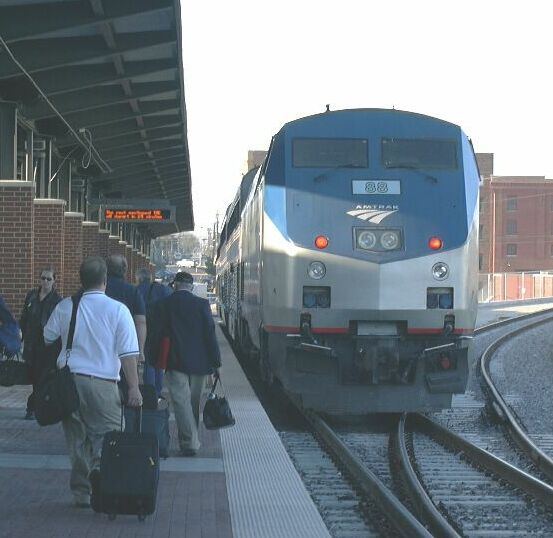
87 142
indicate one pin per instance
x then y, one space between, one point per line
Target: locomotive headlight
366 240
390 240
316 270
440 271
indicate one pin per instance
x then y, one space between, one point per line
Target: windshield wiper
415 169
325 175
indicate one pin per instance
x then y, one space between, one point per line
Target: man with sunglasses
39 305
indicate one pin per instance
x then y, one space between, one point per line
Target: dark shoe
29 415
188 452
82 504
95 497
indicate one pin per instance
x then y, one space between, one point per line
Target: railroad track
451 486
513 425
460 489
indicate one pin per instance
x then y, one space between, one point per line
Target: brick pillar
130 266
138 260
113 245
72 252
16 242
90 239
49 215
135 260
103 237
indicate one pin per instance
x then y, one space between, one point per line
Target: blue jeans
153 376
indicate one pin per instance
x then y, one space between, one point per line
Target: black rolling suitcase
129 474
154 421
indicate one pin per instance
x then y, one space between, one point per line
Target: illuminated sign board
114 214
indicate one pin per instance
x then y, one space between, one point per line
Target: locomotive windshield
330 153
419 153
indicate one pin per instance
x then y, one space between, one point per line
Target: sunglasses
48 278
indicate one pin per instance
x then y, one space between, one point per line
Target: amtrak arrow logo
373 214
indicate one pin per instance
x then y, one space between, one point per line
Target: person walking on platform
194 354
152 292
104 341
126 293
37 308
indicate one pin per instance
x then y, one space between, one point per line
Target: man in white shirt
104 341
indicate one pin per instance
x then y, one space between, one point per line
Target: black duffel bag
56 396
217 413
13 371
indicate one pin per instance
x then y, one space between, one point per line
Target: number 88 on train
347 266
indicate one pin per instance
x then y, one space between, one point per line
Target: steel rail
511 474
538 456
425 507
397 514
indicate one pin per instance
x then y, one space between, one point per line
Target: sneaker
29 415
95 497
82 504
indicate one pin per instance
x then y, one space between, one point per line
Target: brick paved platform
246 462
34 486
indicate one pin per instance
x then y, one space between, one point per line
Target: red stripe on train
296 330
438 331
345 330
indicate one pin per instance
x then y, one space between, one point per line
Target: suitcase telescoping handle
139 425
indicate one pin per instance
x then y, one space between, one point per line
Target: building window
551 206
551 250
511 203
511 250
481 261
482 203
511 227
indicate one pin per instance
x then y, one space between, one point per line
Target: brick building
516 221
255 158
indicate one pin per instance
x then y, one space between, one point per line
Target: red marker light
435 243
321 241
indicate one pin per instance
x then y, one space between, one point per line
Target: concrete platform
492 312
241 484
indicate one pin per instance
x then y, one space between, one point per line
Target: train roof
347 110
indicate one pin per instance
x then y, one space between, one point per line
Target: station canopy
107 73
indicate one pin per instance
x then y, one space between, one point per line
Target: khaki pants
185 391
99 412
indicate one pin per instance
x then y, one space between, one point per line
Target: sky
251 66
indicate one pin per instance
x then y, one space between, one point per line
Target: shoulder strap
75 299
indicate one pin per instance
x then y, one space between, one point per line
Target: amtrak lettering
374 213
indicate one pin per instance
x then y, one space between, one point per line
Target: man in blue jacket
152 292
194 354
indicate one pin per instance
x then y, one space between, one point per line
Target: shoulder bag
56 397
13 370
217 413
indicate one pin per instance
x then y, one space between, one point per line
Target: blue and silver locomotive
348 262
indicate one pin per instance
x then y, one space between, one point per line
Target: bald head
117 265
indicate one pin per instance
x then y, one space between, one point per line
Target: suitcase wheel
112 517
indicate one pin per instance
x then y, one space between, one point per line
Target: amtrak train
347 263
